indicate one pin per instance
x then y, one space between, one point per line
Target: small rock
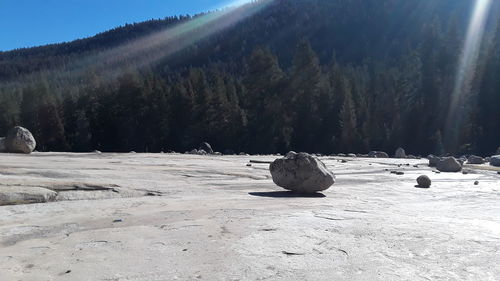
378 154
206 147
433 160
449 165
400 153
495 161
476 183
399 173
475 160
301 172
424 181
343 161
249 165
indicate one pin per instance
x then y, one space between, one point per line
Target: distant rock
424 181
206 147
449 165
201 152
341 155
400 153
476 160
302 173
498 151
378 154
20 140
2 144
462 160
352 155
495 161
433 160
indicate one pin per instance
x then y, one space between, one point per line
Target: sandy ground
185 217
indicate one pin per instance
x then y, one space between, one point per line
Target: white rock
301 172
20 140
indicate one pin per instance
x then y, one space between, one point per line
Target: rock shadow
286 194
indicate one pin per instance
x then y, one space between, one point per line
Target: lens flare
466 70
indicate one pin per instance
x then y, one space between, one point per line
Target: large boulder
206 147
2 144
495 161
20 140
475 160
302 173
449 165
378 154
400 153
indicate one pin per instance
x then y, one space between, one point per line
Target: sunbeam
466 69
157 46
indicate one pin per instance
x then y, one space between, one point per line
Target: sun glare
467 67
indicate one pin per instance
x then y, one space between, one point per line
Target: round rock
424 181
301 173
20 140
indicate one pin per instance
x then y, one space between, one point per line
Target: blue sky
27 23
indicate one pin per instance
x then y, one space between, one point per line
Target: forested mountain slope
271 76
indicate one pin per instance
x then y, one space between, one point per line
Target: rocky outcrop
13 195
20 140
449 165
476 160
400 153
301 173
378 154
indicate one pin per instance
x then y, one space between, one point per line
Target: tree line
335 80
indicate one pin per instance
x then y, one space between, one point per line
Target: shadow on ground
286 194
